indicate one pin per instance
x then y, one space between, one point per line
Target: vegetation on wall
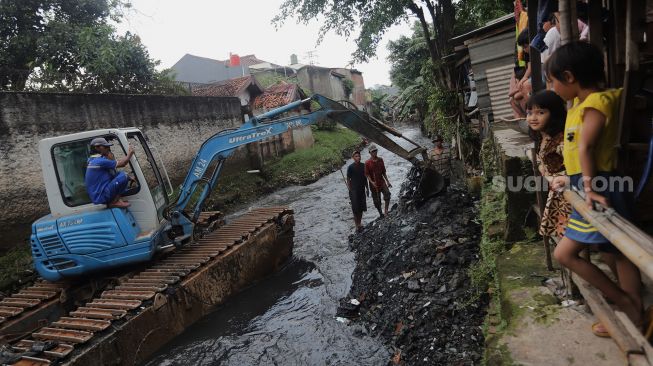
298 167
267 79
348 86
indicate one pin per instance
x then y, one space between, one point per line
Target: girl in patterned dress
546 116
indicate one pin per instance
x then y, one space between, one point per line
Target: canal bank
412 287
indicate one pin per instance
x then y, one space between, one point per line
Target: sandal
599 330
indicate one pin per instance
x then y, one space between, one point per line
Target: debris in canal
418 257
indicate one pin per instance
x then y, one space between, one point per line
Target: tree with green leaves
407 56
69 45
472 14
437 19
410 63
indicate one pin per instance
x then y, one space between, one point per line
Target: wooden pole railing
635 244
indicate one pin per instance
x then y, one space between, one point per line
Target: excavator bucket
369 127
431 183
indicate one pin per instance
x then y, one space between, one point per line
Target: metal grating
52 245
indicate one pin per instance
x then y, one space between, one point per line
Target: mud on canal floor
411 285
290 318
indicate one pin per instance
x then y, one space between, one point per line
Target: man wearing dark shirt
357 184
103 184
379 183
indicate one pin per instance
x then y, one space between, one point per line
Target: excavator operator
103 184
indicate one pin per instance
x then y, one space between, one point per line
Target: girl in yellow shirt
590 137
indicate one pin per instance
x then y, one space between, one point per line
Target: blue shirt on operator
99 173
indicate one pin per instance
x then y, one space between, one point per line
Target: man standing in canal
358 190
379 183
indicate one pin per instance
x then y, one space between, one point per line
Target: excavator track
24 304
27 299
52 343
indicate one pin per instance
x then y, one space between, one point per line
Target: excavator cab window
70 160
154 178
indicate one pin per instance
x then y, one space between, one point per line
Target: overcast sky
170 29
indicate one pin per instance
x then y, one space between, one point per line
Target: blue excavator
78 237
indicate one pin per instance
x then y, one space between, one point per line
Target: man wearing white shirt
552 41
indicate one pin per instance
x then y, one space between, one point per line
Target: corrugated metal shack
489 53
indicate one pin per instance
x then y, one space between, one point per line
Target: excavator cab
79 236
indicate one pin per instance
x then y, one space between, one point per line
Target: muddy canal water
289 318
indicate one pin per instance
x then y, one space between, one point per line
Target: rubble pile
411 286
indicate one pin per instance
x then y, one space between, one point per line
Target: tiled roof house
246 88
278 95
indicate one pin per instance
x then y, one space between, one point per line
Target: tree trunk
435 16
438 75
448 20
433 52
443 18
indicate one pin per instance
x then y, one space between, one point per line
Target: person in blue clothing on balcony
103 184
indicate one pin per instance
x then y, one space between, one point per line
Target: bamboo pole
541 204
595 23
635 244
534 55
631 248
632 55
565 30
606 315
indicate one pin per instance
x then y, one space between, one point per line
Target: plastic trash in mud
343 320
569 303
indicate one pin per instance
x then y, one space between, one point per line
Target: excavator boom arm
223 144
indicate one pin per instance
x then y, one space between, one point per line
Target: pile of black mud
411 286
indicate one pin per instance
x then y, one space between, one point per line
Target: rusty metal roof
278 95
228 88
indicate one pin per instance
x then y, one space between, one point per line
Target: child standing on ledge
576 71
546 116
